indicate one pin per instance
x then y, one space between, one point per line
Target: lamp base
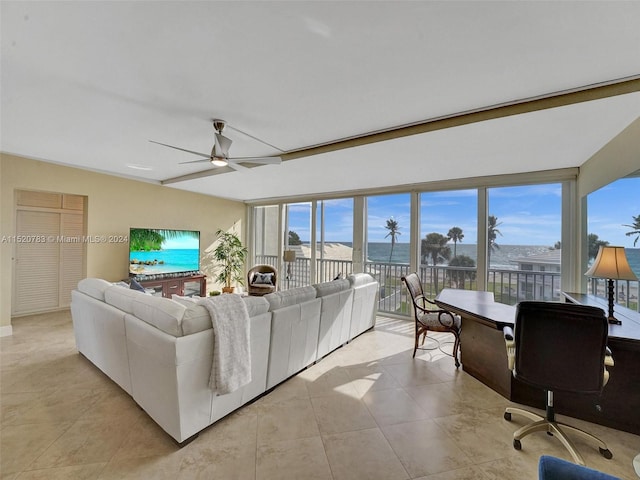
614 321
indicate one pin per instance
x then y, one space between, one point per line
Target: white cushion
328 288
186 301
359 279
162 313
286 298
256 305
196 319
94 287
122 298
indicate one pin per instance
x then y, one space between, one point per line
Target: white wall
114 204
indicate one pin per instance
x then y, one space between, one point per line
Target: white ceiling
88 84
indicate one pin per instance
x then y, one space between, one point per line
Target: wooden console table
183 286
483 356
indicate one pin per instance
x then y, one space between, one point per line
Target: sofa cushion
196 319
94 287
286 298
162 313
327 288
135 285
186 301
256 305
122 298
359 279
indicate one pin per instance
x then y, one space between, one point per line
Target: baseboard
6 331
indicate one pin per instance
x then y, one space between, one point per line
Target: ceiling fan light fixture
219 162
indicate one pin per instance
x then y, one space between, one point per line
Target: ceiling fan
219 156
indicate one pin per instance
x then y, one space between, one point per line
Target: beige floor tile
465 473
20 445
293 459
369 378
60 417
288 420
392 406
86 442
424 448
338 413
76 472
165 467
415 372
364 454
335 381
223 460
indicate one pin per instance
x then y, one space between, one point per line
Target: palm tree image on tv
160 251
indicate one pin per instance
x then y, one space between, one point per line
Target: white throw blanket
231 364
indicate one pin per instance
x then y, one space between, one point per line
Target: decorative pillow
135 285
263 279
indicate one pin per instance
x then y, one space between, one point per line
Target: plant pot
228 289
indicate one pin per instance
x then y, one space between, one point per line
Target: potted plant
231 254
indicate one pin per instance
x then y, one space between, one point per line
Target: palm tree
434 245
147 239
635 227
393 228
593 245
456 235
492 233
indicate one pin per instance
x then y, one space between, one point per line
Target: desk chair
558 347
429 317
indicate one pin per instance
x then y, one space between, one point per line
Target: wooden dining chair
429 317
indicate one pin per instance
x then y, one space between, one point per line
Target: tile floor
367 411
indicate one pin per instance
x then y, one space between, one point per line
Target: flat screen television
160 252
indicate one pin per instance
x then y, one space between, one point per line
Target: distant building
544 281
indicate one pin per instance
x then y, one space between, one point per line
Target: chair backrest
560 346
414 286
262 268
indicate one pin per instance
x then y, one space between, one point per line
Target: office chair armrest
510 343
608 362
608 358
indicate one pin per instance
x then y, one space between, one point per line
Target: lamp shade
289 256
611 262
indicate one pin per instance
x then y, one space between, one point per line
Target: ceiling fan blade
195 161
206 155
223 143
260 160
236 166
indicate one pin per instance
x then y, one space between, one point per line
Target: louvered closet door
71 256
37 264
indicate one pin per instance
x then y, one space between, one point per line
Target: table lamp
611 263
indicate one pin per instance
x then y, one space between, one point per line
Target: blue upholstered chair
552 468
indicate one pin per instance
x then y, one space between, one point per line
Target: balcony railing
508 286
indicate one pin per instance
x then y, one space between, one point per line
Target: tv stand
186 286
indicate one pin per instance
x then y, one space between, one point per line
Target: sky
527 215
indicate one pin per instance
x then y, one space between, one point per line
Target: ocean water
502 258
174 260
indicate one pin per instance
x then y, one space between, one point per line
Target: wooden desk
483 355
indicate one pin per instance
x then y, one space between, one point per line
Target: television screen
161 251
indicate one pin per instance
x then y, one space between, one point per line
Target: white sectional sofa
160 351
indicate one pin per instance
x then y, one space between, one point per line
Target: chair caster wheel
517 445
606 453
507 416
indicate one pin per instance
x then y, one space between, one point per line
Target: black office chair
558 347
429 316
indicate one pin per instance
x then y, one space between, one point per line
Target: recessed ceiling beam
527 105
